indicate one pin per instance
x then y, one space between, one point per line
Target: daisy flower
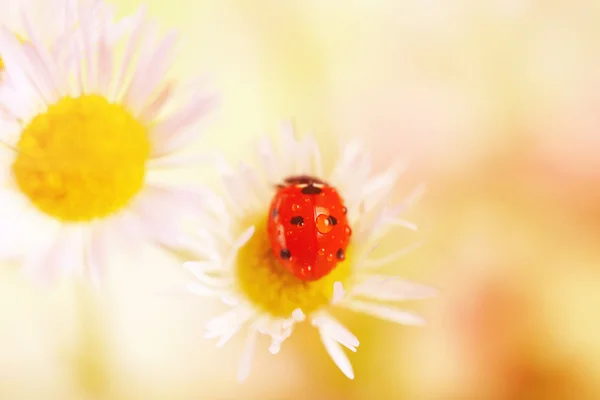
238 264
89 124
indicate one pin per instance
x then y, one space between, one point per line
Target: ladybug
307 227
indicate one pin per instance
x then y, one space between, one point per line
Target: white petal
18 69
150 73
268 160
176 130
337 355
240 242
328 325
64 253
205 271
378 187
154 107
338 292
201 290
131 49
85 28
404 223
227 325
203 266
131 232
47 63
235 193
385 312
205 249
179 161
105 65
378 262
391 288
97 252
247 356
415 196
154 206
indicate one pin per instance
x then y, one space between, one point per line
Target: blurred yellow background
495 103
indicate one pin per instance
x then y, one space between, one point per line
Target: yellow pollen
271 288
82 159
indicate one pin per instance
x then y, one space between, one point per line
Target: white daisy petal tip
338 292
298 315
275 347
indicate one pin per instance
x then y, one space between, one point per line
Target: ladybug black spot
297 220
340 254
332 220
285 254
310 189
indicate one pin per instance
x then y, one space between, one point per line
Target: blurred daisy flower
87 119
239 265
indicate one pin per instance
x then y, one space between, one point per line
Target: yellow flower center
82 159
269 285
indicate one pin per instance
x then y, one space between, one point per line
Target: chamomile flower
239 265
89 123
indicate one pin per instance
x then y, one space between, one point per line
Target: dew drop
295 207
330 257
322 251
348 230
323 224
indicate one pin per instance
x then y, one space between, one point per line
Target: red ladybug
307 227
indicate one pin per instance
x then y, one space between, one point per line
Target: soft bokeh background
496 104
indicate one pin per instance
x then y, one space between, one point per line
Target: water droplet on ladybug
295 207
307 199
323 224
322 251
348 230
330 257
